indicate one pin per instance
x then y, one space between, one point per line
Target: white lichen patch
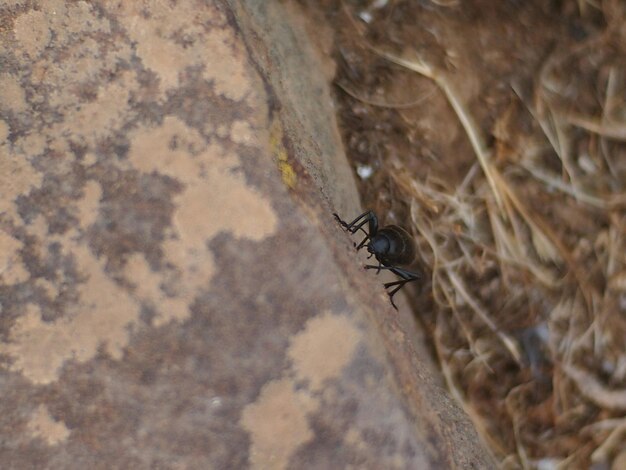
100 316
169 40
169 149
71 18
12 95
59 81
230 204
4 132
277 423
215 198
50 289
13 3
98 118
30 145
88 89
353 438
277 420
12 269
336 336
32 32
82 62
90 159
147 285
43 426
242 133
17 177
225 66
88 206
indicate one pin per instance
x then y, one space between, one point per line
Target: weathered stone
174 292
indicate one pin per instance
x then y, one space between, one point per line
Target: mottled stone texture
173 291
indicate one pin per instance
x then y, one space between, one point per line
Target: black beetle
390 245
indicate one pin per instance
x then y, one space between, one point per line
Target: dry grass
520 238
581 330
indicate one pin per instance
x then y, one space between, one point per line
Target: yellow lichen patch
155 34
42 425
336 336
215 198
288 174
12 269
277 148
100 316
277 424
32 32
12 96
17 177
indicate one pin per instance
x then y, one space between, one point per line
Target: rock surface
173 290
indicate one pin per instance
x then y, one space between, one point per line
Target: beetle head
379 245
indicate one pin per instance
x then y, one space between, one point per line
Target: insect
390 245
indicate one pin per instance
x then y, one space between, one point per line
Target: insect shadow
390 245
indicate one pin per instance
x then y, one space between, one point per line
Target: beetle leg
403 273
367 217
373 223
377 268
407 276
363 242
343 223
348 227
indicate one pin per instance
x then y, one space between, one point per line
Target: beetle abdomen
401 246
